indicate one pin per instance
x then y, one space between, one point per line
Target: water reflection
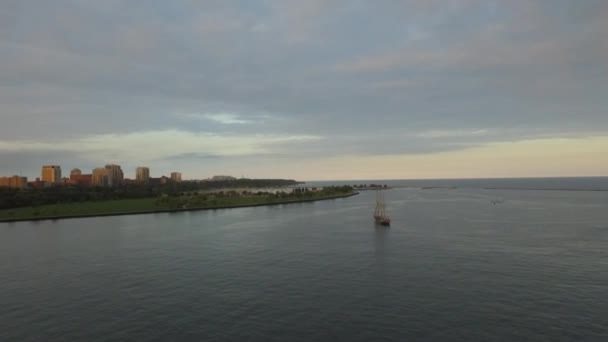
381 235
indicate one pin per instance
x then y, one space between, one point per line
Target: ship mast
382 214
376 211
379 212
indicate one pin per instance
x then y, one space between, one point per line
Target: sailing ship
380 216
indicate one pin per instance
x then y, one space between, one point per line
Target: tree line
32 197
233 197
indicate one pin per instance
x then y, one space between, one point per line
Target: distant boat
498 201
380 216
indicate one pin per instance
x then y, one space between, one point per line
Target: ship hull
383 221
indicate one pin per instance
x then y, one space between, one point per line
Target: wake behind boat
380 215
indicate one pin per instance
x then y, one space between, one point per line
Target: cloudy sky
314 89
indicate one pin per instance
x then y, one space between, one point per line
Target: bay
454 266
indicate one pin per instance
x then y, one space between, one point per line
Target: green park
169 202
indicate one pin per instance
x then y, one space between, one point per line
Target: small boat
380 216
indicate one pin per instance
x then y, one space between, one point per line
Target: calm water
564 183
453 267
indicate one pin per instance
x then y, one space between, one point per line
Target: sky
307 90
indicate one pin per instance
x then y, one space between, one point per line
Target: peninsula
173 202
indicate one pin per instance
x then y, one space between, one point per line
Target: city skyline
110 175
78 171
308 90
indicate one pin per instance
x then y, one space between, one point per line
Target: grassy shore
149 205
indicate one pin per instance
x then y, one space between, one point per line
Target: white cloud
451 133
227 118
154 145
222 118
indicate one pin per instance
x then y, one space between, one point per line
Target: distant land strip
486 188
545 189
174 210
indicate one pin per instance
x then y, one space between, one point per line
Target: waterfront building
82 180
100 177
77 178
115 175
176 177
51 174
16 182
142 174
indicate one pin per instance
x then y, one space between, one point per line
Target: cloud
521 35
452 133
226 118
484 53
400 77
153 145
527 158
300 19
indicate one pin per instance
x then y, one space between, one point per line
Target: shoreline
491 188
541 189
176 210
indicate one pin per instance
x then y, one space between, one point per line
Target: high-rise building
115 175
100 177
75 172
176 177
51 173
142 174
